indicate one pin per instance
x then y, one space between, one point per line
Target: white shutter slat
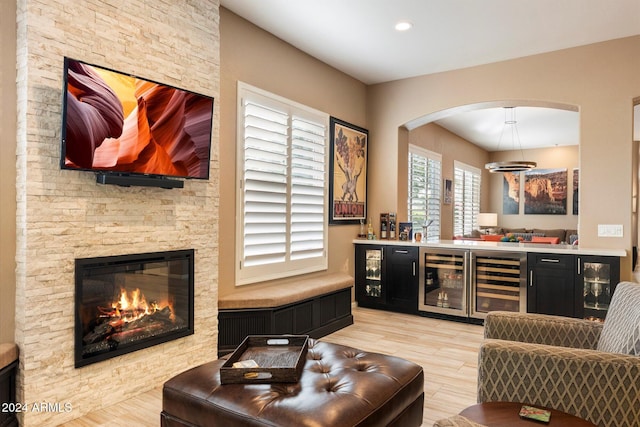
307 190
265 185
467 198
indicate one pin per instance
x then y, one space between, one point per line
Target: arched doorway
545 127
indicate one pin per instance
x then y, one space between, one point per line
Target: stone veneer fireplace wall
64 215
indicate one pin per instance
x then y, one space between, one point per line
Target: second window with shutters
466 198
425 190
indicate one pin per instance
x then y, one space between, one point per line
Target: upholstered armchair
584 368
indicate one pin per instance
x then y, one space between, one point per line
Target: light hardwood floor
447 351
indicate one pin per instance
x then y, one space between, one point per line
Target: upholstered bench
314 306
339 387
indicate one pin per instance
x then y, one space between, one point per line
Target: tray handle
278 341
254 375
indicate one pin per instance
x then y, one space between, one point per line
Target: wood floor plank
447 351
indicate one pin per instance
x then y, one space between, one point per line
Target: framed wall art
511 193
447 196
349 147
545 192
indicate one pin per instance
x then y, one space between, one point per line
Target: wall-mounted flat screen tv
116 123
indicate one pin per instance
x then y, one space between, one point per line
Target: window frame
470 209
247 274
433 232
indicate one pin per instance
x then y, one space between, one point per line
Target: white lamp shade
487 219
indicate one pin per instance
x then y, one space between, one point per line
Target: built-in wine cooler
444 281
470 284
599 276
499 282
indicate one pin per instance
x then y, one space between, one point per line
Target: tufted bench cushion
285 293
339 386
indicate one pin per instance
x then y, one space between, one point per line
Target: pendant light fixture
511 165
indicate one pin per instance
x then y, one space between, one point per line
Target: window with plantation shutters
466 198
282 194
425 190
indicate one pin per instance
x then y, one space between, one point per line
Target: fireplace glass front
129 302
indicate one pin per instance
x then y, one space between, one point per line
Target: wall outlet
610 230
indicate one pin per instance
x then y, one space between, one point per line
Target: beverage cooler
444 281
471 283
499 282
599 276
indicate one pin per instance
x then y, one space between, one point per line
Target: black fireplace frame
120 261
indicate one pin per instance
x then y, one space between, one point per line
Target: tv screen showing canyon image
118 123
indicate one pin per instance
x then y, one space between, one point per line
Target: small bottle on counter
369 230
363 229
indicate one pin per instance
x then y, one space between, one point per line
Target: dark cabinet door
551 288
401 278
370 276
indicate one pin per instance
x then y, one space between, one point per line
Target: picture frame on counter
405 231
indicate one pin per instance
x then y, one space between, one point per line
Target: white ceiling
358 38
536 127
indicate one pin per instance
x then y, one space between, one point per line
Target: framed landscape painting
347 172
545 192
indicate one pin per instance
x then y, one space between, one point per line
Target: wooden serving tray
280 358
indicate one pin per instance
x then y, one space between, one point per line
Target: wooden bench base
314 307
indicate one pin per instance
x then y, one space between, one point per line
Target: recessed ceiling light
403 26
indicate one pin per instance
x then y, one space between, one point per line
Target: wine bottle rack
497 284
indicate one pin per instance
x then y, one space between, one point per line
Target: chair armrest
542 329
597 386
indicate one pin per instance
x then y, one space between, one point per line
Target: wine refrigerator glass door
443 281
373 276
596 289
499 282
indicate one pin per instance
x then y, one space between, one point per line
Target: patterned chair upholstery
587 369
457 421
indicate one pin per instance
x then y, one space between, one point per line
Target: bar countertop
499 246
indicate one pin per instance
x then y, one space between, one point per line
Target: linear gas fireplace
126 303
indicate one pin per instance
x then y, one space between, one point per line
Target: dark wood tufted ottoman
339 387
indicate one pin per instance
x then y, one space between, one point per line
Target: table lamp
486 220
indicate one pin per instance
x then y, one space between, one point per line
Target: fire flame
133 306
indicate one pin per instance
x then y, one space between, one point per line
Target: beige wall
7 170
253 56
62 215
600 79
